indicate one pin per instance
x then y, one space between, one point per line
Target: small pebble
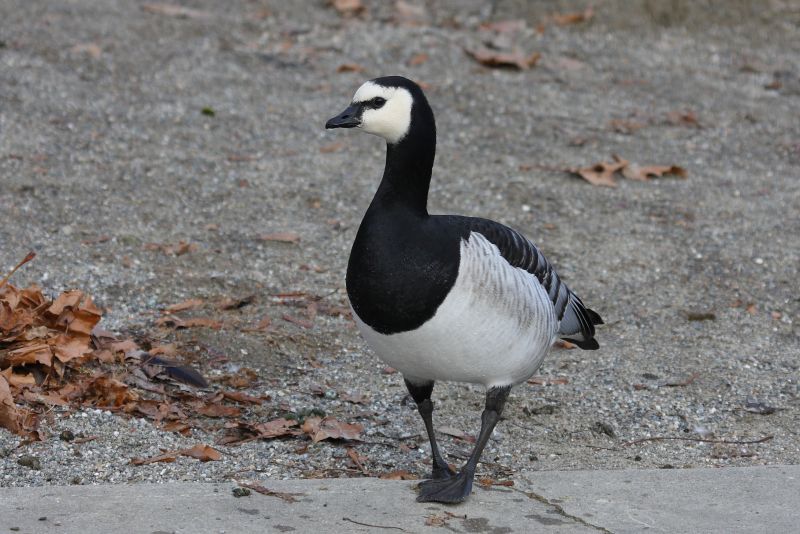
241 492
30 461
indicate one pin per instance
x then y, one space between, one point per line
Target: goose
447 297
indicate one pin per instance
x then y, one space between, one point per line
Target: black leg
422 396
458 488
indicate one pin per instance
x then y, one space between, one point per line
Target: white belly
494 327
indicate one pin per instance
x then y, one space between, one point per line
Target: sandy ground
105 148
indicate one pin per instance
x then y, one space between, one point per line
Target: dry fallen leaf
93 50
219 410
332 147
171 10
28 257
515 59
169 350
625 126
489 482
548 381
202 322
358 460
683 118
276 428
418 59
243 398
355 398
262 325
348 8
185 305
408 14
176 249
296 320
349 67
9 414
172 321
456 433
204 453
601 174
330 428
565 19
642 174
281 237
244 378
399 474
18 380
504 26
434 520
179 427
166 457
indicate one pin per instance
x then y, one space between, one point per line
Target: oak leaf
276 428
330 428
18 420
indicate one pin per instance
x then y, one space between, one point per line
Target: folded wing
577 322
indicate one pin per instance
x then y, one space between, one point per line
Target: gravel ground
104 148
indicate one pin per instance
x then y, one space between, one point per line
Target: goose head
384 107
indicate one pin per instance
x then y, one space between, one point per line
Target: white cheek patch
392 120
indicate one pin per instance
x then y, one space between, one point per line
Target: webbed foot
451 490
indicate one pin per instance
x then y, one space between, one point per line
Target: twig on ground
288 497
689 381
28 257
369 525
78 441
726 442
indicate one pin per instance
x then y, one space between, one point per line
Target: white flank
393 119
494 327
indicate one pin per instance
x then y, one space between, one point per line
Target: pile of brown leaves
53 354
40 341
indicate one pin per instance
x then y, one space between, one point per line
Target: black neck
409 164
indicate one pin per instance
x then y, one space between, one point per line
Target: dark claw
449 490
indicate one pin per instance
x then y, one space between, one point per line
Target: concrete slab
745 499
756 499
325 506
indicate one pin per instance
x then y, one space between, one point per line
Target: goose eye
378 102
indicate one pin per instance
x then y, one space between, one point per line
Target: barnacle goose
447 297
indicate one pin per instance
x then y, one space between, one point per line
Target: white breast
494 327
